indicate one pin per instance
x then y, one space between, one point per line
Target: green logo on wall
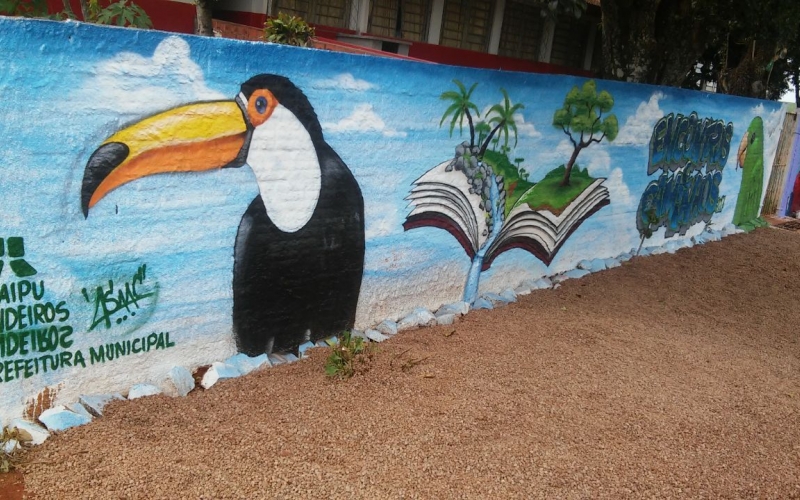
16 250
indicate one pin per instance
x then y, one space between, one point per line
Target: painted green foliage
498 120
118 13
581 119
460 109
288 30
751 159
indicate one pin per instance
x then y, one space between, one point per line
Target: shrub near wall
171 200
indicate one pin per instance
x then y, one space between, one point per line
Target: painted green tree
581 119
482 129
460 109
502 117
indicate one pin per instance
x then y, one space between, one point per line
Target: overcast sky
789 95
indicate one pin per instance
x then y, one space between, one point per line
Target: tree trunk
796 81
489 139
204 22
471 130
651 41
747 78
85 11
628 38
570 164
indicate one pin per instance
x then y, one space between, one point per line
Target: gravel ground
671 376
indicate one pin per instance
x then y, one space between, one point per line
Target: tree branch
597 140
570 136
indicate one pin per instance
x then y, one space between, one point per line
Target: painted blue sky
69 86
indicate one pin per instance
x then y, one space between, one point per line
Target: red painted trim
422 51
339 46
472 59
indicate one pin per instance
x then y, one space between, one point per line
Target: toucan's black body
288 286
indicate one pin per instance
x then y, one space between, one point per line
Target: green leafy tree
502 117
482 129
121 13
460 109
732 43
23 8
288 30
581 119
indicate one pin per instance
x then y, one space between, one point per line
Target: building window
522 31
334 13
467 24
407 19
570 40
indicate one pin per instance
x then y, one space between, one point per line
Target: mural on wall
133 240
299 250
750 158
489 204
691 153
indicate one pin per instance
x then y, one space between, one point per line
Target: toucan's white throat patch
287 169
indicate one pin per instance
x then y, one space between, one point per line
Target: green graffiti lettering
97 356
78 359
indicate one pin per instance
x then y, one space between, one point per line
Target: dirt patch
792 225
671 376
12 486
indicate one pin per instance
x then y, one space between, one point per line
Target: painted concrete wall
171 200
789 203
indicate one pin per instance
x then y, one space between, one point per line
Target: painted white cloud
363 119
639 127
133 84
344 81
621 199
599 161
548 159
525 129
382 219
599 165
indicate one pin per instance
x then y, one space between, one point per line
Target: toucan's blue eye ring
261 105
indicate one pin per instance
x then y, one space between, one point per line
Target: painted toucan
750 158
299 250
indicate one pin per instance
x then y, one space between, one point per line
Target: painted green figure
751 159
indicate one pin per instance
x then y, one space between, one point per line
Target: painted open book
443 198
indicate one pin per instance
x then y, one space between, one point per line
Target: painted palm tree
460 109
482 129
502 117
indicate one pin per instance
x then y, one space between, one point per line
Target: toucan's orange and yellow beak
195 137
